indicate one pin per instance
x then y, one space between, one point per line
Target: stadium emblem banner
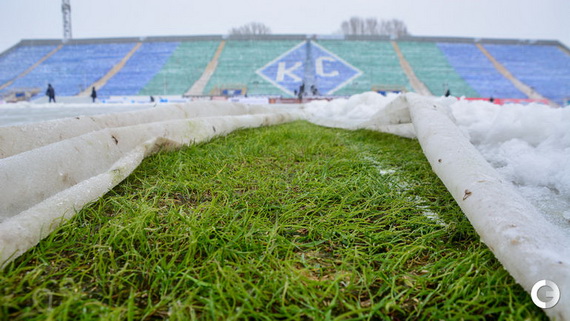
311 64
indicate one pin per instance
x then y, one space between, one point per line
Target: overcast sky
519 19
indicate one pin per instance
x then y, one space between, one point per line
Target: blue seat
18 60
75 67
544 68
140 69
478 71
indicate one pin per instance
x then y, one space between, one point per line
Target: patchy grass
288 222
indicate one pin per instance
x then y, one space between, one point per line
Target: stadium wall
299 37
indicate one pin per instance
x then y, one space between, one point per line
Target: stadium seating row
74 68
545 68
472 65
239 61
377 60
170 68
182 69
140 69
434 70
17 61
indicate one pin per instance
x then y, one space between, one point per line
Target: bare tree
374 27
252 28
371 25
394 27
353 26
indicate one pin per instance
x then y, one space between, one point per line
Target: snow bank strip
528 246
394 118
32 176
18 139
365 111
45 186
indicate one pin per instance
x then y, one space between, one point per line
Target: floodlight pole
66 10
309 75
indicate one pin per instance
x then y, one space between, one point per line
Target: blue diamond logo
311 64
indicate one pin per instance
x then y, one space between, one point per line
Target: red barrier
503 101
299 101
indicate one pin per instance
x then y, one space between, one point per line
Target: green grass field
287 222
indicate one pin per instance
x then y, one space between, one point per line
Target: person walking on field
93 94
50 92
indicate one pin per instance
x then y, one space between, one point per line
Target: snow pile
347 113
529 145
368 110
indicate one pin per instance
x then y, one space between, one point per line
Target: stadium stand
16 61
140 69
544 68
74 67
376 59
198 86
527 90
432 68
182 69
171 66
472 65
239 61
118 67
417 85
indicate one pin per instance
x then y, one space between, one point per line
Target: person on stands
93 94
50 92
314 90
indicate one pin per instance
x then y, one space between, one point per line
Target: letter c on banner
321 69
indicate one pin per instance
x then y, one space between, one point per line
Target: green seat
376 59
241 59
182 69
432 68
